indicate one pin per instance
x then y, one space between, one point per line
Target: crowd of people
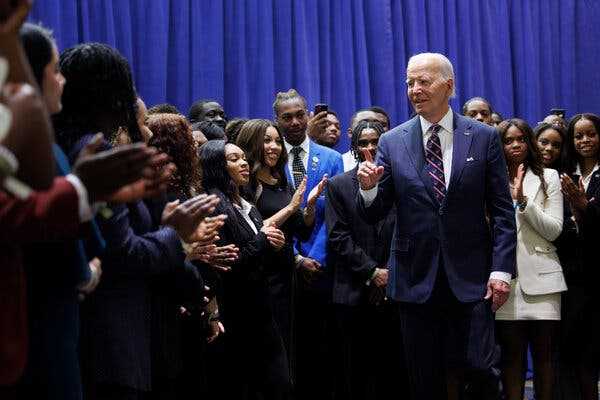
147 254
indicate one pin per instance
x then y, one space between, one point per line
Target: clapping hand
275 237
368 173
186 217
574 194
516 190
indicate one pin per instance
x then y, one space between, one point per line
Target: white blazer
538 267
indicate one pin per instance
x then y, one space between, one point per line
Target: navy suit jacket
454 234
321 160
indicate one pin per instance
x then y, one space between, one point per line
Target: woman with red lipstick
531 314
578 250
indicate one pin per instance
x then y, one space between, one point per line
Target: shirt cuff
369 195
85 210
501 276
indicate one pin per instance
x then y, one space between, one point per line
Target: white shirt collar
587 179
305 145
447 122
244 206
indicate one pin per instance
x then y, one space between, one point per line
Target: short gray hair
444 66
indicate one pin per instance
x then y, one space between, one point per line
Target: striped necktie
435 163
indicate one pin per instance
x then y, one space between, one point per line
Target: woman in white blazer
532 312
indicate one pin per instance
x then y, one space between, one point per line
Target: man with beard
307 158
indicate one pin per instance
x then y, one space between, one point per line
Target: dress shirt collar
447 122
244 207
305 145
587 179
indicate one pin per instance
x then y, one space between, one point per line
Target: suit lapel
594 185
413 140
461 143
313 166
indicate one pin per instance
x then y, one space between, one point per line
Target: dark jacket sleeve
146 254
341 242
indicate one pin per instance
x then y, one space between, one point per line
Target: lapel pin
470 159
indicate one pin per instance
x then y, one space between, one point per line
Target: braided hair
99 88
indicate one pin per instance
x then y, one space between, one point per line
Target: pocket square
470 159
467 133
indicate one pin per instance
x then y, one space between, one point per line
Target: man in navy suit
453 251
313 318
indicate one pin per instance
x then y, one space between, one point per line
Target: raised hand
186 217
368 173
316 192
516 190
574 194
298 195
317 124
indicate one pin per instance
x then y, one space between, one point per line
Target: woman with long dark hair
530 315
551 145
578 252
279 205
254 352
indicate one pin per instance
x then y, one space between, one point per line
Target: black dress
280 267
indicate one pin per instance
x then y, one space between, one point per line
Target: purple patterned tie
435 163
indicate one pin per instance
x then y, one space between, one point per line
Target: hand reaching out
368 173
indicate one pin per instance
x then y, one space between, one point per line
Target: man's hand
380 277
498 291
208 229
186 217
221 257
316 125
368 173
275 237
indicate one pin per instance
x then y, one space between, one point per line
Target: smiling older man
450 269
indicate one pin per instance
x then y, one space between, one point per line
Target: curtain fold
524 56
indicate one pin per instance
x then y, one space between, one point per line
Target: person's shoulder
550 174
342 179
477 127
326 151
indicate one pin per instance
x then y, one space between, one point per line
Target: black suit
371 360
577 249
255 358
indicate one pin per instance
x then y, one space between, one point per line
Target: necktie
435 163
297 166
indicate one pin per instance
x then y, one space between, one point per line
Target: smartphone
558 111
321 107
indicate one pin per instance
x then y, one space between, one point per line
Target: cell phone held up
320 107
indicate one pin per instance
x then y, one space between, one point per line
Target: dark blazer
455 232
47 215
54 269
255 352
355 246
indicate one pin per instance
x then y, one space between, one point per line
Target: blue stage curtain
525 56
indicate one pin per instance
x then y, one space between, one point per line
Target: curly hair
99 90
172 135
534 159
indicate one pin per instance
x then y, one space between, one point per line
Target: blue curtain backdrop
525 56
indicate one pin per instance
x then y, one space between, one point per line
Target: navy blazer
454 234
321 160
355 246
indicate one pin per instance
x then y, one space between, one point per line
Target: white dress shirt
303 154
587 179
446 135
244 209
